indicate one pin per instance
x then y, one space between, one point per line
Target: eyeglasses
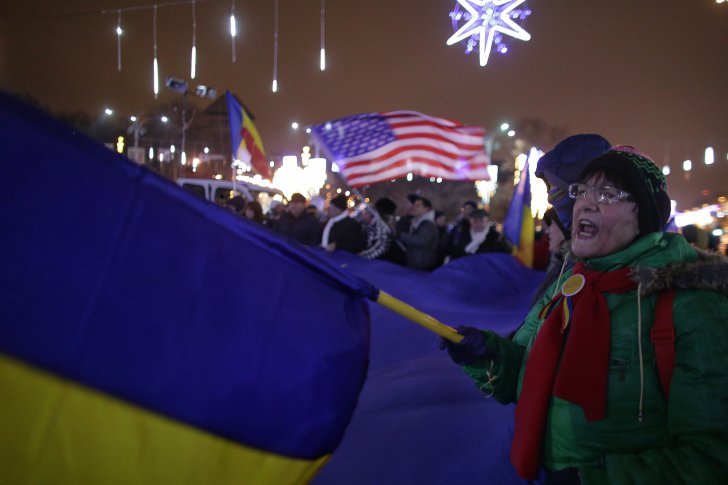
603 195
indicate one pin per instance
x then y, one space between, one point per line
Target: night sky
652 73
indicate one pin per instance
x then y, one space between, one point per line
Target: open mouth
587 229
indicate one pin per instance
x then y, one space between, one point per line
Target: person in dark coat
395 253
421 240
297 224
443 239
342 231
481 237
404 222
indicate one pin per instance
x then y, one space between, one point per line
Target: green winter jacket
683 439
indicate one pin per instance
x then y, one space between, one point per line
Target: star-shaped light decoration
486 21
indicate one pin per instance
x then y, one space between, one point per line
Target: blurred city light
709 156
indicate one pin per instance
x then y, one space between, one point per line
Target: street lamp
137 126
490 138
182 86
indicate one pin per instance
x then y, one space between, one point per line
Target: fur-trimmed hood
708 272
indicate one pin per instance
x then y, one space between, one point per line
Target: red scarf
581 375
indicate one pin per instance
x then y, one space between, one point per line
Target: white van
221 191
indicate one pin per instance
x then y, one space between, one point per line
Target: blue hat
562 166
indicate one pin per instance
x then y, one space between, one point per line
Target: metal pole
184 123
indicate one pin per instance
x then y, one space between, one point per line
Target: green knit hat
642 178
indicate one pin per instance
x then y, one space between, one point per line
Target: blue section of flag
235 115
354 135
420 419
119 280
513 222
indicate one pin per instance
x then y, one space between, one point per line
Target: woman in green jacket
598 399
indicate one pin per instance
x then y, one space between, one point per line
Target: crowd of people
620 370
419 238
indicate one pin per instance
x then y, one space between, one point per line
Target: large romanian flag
150 337
247 146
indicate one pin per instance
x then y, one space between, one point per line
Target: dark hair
548 216
236 204
385 206
257 210
425 202
470 203
298 198
439 214
479 214
613 174
413 198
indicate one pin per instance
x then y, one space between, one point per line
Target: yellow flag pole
420 318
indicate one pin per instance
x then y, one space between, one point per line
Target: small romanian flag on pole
246 143
519 226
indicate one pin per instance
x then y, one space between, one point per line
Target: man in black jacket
341 231
298 224
481 237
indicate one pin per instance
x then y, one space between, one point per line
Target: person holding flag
620 372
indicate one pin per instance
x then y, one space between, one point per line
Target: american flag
376 147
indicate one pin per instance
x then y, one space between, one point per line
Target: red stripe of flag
257 158
392 153
403 164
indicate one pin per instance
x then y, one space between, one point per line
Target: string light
709 156
233 28
193 60
156 64
119 31
323 48
275 47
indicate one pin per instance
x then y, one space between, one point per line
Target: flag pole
420 318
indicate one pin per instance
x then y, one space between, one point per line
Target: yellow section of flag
55 431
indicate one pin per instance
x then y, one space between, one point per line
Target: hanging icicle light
193 57
323 49
275 47
156 64
233 28
119 31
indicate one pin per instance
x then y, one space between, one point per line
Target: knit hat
562 166
340 201
642 178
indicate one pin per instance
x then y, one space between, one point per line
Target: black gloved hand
567 476
470 349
